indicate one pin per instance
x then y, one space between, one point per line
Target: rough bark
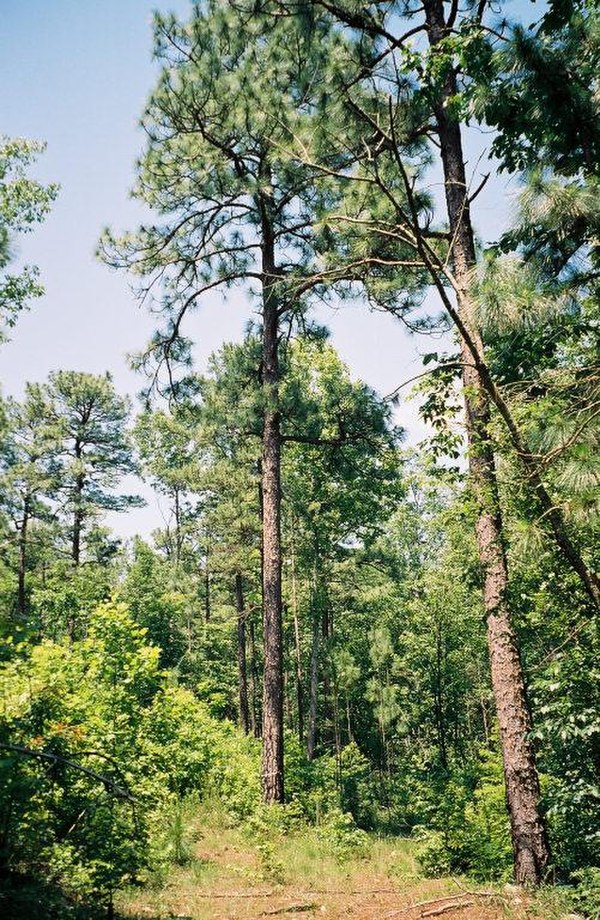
272 753
552 515
241 654
522 786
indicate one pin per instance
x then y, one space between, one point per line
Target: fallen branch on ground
446 908
292 909
452 900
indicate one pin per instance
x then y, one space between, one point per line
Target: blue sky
76 73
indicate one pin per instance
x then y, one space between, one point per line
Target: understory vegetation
351 656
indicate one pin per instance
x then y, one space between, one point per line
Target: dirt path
369 904
376 899
232 875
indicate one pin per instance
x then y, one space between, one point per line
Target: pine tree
235 211
403 96
87 420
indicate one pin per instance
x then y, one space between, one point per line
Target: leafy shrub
587 895
272 869
104 750
342 837
469 831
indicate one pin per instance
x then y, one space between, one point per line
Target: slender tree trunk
241 654
78 509
177 509
272 754
311 739
77 520
327 695
336 732
438 696
255 709
297 649
22 576
207 583
530 848
316 610
348 718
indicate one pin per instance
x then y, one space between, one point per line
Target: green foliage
24 202
540 91
89 421
587 896
568 728
61 605
468 829
311 131
103 703
342 837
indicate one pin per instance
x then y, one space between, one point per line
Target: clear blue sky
76 73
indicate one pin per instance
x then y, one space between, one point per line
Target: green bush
468 830
103 704
342 837
587 894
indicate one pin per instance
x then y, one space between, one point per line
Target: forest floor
230 876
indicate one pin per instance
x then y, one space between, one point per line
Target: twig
449 898
234 894
55 758
292 909
447 908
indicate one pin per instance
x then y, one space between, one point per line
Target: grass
262 870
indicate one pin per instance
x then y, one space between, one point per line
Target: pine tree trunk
316 611
327 696
207 583
311 738
241 654
77 522
438 698
530 848
22 576
297 649
78 509
255 709
272 753
177 510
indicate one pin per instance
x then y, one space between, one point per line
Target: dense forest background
331 629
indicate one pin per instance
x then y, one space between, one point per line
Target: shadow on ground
24 898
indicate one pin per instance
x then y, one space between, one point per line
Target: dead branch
292 909
108 783
452 900
445 909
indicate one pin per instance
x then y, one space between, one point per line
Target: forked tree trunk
530 848
241 654
272 752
